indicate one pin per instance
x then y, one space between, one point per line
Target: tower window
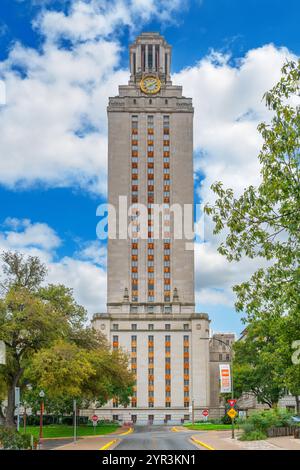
143 57
134 63
150 57
166 64
156 57
166 101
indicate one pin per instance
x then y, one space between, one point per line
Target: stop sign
94 418
205 413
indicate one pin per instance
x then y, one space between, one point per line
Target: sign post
17 405
2 353
75 419
232 414
95 419
42 396
226 381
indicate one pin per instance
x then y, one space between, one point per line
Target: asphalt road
155 438
49 444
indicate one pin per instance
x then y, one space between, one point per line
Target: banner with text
225 378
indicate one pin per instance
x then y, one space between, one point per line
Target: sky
60 60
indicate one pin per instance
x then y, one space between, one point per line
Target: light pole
193 411
231 368
41 395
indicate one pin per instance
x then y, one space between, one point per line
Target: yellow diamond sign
232 413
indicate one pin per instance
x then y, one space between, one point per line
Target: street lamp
41 395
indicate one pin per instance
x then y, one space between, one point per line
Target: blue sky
61 60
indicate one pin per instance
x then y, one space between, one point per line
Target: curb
202 444
174 429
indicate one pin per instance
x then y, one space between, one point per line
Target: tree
264 221
22 273
67 370
44 330
258 365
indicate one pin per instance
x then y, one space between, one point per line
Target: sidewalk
221 440
96 442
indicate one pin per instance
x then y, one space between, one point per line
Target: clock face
150 84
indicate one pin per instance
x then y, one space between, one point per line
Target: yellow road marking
174 429
108 445
202 444
126 432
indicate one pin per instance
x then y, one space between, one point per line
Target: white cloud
37 235
53 128
84 272
93 251
87 280
227 97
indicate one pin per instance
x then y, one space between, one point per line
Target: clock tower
150 286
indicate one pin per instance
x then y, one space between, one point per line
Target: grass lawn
208 426
61 430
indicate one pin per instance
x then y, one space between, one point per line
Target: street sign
205 412
232 402
95 419
232 413
17 396
2 353
190 409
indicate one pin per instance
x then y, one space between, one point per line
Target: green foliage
263 420
13 440
60 370
48 344
265 221
247 426
253 436
62 430
255 427
20 272
226 419
258 364
66 370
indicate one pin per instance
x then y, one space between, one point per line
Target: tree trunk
297 404
10 410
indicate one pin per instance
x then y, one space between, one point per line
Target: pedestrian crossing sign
232 413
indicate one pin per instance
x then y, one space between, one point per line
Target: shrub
247 427
226 419
259 422
13 440
263 420
253 436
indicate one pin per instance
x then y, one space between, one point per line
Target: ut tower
150 294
